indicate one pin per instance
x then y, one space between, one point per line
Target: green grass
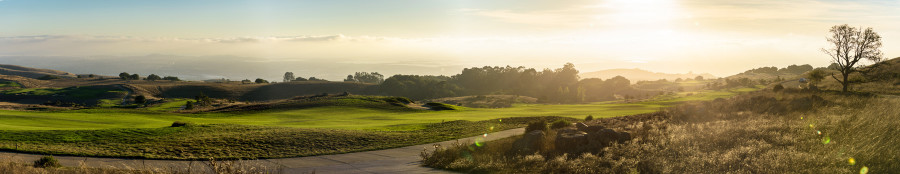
109 102
9 84
337 116
320 126
238 141
171 105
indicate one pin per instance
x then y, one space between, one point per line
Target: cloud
314 38
547 18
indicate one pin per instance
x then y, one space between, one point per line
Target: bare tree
852 45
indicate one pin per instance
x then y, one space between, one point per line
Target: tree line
151 77
561 85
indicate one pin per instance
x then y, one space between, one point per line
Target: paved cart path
397 160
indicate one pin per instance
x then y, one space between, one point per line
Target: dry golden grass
213 166
757 133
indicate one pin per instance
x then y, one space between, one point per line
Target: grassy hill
636 75
32 72
83 96
245 92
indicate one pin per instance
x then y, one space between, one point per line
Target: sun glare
640 12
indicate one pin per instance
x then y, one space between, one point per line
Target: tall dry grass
212 166
757 133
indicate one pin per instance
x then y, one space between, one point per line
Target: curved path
398 160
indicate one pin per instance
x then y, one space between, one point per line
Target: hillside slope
32 72
636 75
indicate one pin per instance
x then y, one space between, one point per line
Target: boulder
528 144
580 126
570 140
591 129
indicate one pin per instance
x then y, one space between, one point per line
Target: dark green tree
153 77
171 78
124 76
140 99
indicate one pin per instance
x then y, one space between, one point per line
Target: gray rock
591 129
580 126
571 141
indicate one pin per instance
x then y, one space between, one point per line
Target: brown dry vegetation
212 166
757 133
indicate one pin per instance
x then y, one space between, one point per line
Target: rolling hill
636 75
32 72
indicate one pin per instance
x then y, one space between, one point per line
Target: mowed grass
230 141
331 117
9 84
171 105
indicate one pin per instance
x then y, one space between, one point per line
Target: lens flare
864 170
501 120
485 135
811 126
492 128
801 117
826 140
479 141
819 132
851 161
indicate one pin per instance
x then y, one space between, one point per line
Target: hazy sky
430 36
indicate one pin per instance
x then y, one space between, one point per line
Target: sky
330 39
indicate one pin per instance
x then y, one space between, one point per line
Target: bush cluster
559 124
47 162
537 125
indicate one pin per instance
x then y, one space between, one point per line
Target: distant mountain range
636 75
32 72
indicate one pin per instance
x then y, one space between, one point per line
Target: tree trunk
845 83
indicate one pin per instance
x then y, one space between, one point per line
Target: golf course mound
324 100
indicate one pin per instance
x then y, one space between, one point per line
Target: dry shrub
217 167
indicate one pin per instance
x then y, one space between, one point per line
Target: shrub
403 100
47 77
140 99
173 78
589 118
440 106
559 124
179 124
538 125
189 105
777 88
47 162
